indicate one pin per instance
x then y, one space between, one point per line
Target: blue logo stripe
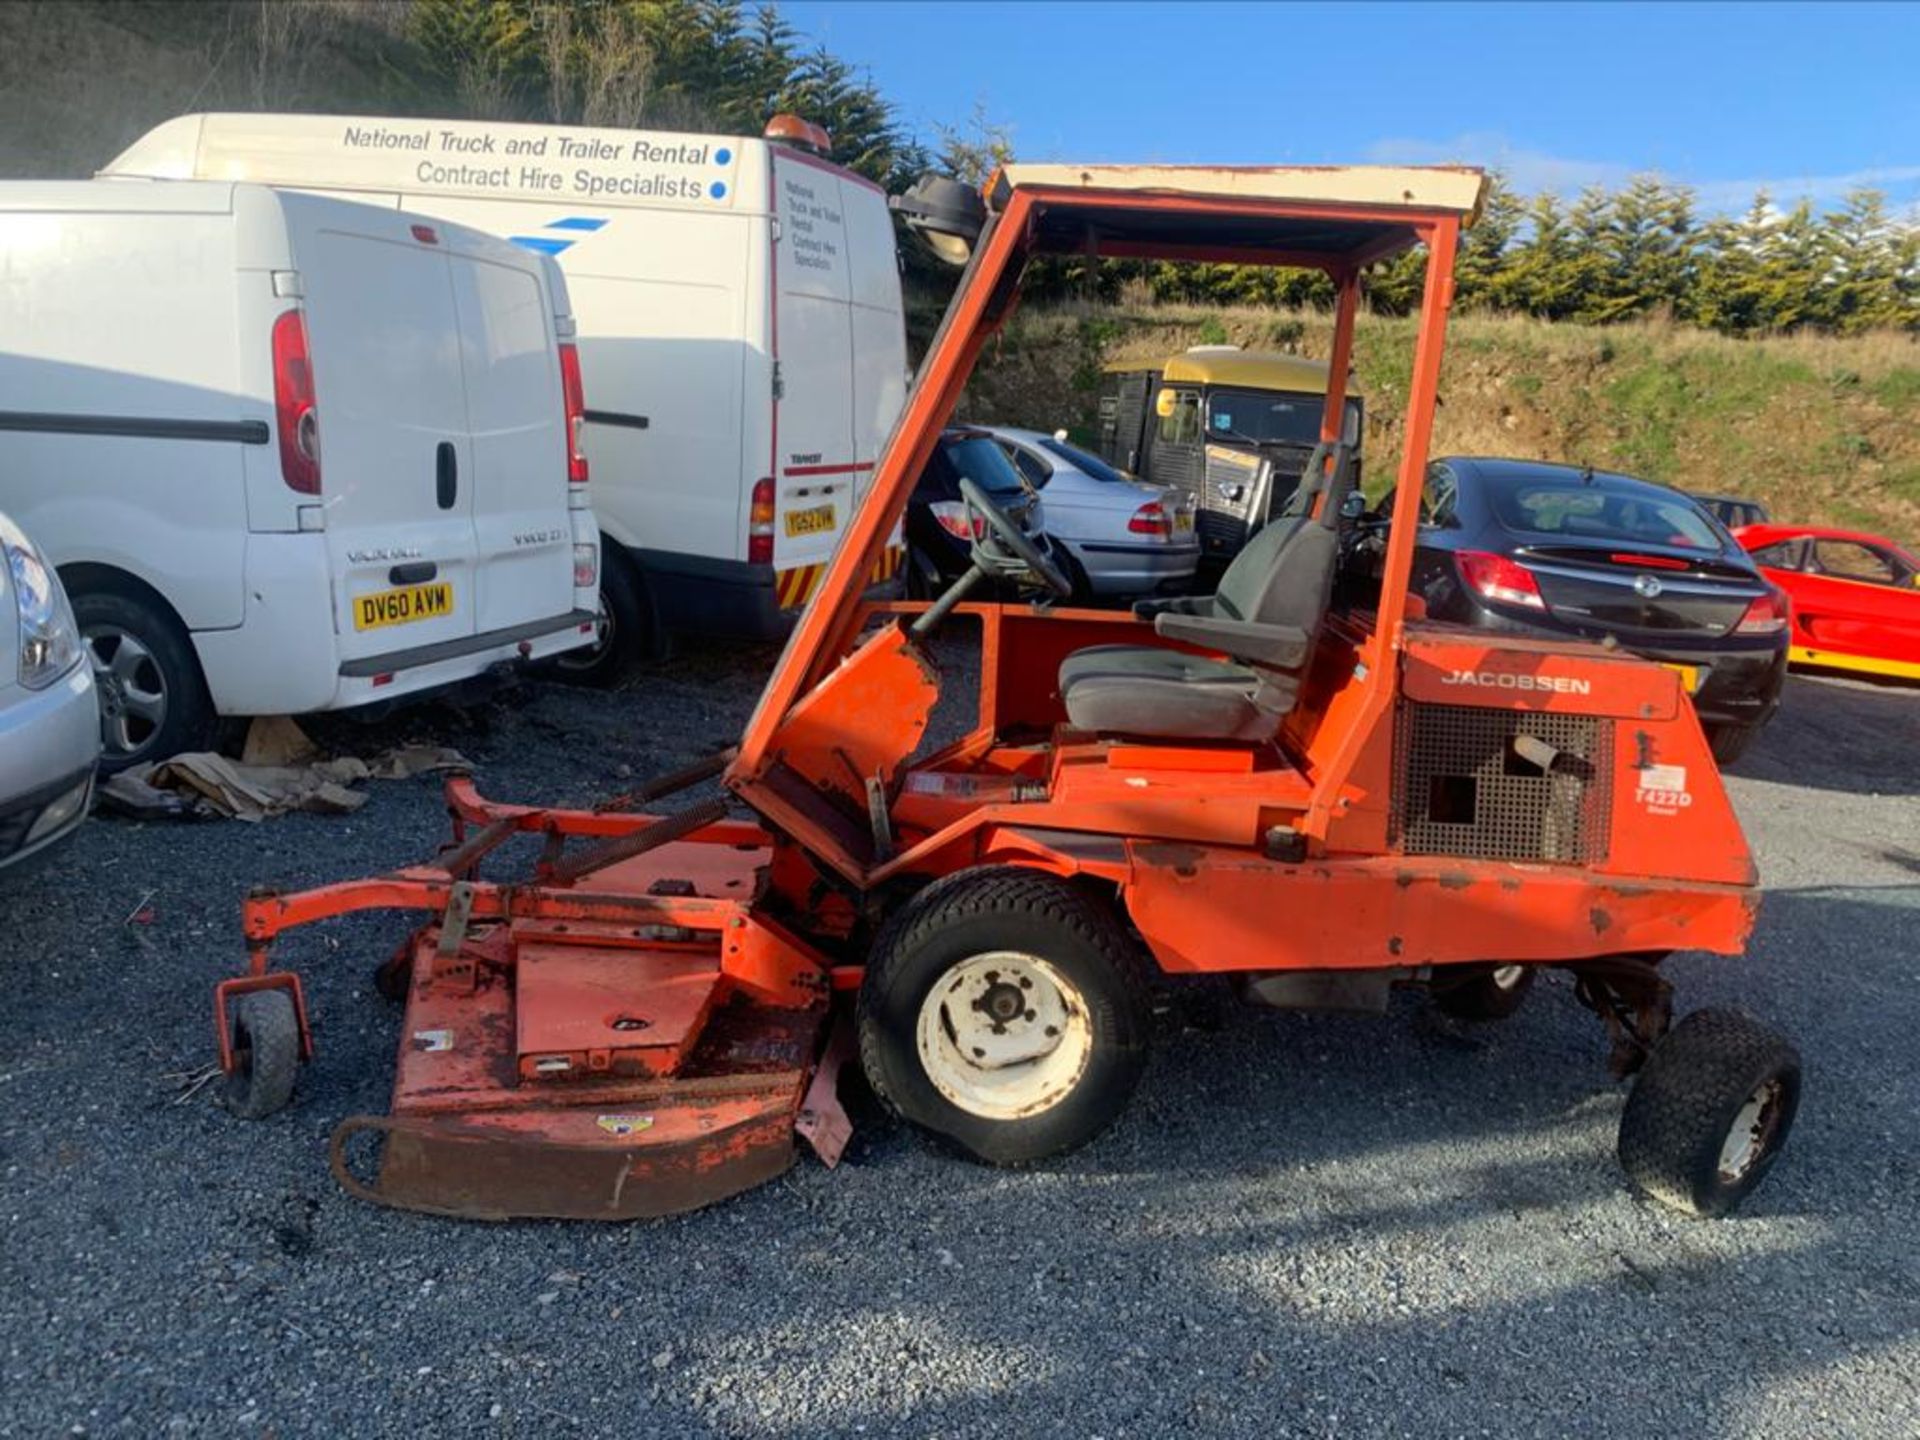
544 244
575 222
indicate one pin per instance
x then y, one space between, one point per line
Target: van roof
1230 365
561 165
194 197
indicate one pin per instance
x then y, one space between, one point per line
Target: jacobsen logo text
1502 680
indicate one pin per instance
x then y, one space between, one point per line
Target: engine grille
1465 790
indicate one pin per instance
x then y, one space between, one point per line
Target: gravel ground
1314 1226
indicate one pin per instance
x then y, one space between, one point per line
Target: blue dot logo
722 156
718 189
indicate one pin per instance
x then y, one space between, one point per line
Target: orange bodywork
637 1031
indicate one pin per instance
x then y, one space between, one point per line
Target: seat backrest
1284 574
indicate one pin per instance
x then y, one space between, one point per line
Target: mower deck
632 1043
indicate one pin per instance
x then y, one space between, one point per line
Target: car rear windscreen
1574 509
1087 464
976 457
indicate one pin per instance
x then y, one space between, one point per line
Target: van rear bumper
697 595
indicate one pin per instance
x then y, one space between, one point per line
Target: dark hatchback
1555 549
939 530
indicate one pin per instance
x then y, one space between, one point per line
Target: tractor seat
1264 617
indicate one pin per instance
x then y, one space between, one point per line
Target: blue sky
1801 99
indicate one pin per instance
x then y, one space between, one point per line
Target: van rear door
517 416
397 465
820 477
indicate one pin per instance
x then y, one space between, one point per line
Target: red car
1856 598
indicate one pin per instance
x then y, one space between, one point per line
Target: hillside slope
1821 429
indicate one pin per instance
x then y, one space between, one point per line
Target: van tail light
575 396
760 523
954 518
1767 615
1151 519
294 409
1496 578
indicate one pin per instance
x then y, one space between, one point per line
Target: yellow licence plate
810 522
402 606
1183 520
1689 676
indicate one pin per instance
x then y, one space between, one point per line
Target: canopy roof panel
1342 214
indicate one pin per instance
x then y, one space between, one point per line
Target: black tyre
1709 1111
153 698
1077 574
626 631
1729 742
266 1054
1481 992
1005 1011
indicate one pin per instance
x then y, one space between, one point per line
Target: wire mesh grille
1466 788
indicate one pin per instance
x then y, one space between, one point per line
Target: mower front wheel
266 1054
1709 1111
1005 1011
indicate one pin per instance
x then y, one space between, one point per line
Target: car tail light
575 397
1151 519
1767 615
953 518
1496 578
294 408
1651 562
760 523
586 566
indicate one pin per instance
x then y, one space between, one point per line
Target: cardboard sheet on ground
280 770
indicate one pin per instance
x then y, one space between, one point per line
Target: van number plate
810 522
402 606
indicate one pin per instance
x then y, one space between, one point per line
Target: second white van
741 327
288 453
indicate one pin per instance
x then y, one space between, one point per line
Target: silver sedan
1121 536
49 722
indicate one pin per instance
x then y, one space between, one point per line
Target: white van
741 328
288 453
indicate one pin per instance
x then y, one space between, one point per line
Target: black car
939 530
1555 549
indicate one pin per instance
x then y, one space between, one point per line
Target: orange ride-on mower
1322 800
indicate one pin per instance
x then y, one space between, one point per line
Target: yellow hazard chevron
793 588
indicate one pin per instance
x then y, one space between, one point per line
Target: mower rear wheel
1489 992
266 1054
1005 1011
1709 1111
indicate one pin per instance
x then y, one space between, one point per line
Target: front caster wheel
266 1054
1004 1010
1709 1112
1481 992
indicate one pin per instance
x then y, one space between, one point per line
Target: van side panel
879 324
128 321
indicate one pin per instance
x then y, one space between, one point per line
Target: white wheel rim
1004 1035
1751 1133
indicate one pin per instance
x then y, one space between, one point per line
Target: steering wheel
1032 559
